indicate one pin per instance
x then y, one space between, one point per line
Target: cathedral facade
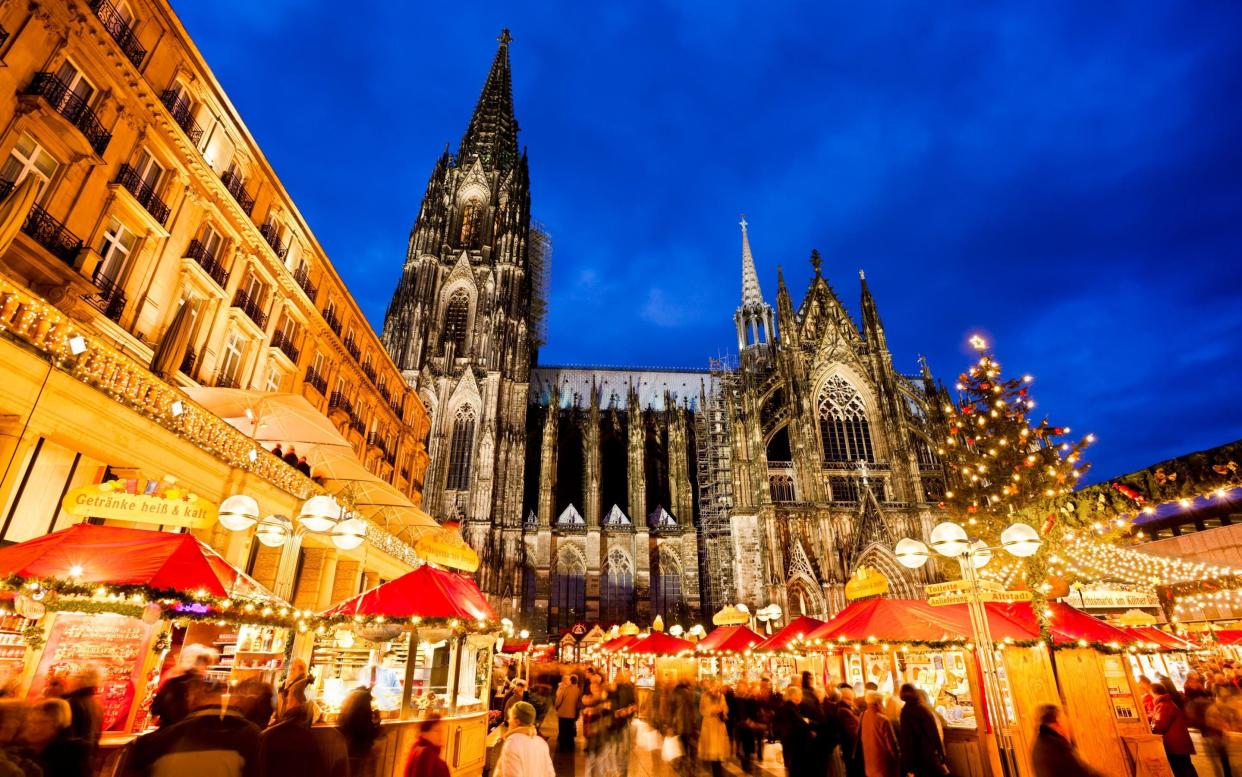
614 494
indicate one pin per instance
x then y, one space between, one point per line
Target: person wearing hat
525 753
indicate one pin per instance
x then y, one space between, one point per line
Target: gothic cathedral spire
492 133
754 318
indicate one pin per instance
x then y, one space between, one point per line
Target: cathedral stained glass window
667 599
471 220
843 423
568 604
617 594
460 449
456 323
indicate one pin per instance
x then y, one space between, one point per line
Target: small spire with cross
743 222
505 37
816 262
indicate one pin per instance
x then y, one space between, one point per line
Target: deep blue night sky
1066 180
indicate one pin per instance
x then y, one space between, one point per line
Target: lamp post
951 540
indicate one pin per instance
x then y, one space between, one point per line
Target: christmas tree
1001 466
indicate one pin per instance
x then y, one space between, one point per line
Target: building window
781 488
115 249
29 158
617 594
844 489
568 604
471 223
148 170
843 423
461 449
926 457
456 322
275 377
230 365
77 86
667 601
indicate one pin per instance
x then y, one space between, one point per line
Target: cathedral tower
461 328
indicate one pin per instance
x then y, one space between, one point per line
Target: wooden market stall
421 643
123 600
890 642
784 657
727 654
655 659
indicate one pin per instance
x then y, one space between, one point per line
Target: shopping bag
650 740
672 749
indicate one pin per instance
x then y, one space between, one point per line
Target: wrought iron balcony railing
118 27
395 404
334 323
369 371
285 344
111 297
47 231
339 401
237 187
319 382
302 276
207 260
143 192
271 236
352 347
182 114
72 107
251 308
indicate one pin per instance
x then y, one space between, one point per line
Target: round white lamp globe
949 539
911 553
980 554
1021 540
349 534
320 513
274 530
239 512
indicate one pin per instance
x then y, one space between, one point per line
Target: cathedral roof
612 386
491 135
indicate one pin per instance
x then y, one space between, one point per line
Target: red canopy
426 592
515 646
914 620
657 643
1229 637
729 639
617 643
796 629
110 555
1166 641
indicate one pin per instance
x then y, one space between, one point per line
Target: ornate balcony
47 231
334 323
339 401
128 177
352 347
111 297
179 107
72 107
237 187
369 371
271 236
302 276
118 28
395 404
199 253
356 424
285 345
243 302
317 381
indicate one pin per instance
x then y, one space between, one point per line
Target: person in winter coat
682 724
1054 754
847 716
297 678
1170 723
881 758
172 702
713 734
524 753
55 749
213 739
794 734
87 711
922 752
425 759
567 695
359 723
290 747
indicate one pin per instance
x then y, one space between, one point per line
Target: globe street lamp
951 540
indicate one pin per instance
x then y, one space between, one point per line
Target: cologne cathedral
601 495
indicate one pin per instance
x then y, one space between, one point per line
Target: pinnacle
491 135
752 296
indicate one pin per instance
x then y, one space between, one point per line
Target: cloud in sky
1064 176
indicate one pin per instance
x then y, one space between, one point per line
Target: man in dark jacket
847 716
1053 754
210 740
290 747
795 735
922 752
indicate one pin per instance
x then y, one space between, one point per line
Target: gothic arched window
460 448
926 456
843 424
568 604
667 599
617 595
781 487
471 223
456 323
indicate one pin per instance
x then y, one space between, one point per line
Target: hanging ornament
1162 477
1135 496
28 608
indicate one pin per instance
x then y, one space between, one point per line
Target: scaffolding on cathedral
713 453
539 258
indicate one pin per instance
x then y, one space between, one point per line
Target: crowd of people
1209 702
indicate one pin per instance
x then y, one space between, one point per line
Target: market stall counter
421 643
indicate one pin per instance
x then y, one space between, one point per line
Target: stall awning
729 639
618 643
797 629
515 646
1229 636
657 643
910 620
426 592
1165 640
111 555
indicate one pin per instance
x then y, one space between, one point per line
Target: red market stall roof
426 592
911 620
111 555
729 639
657 643
515 646
795 630
617 643
1167 641
1229 637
